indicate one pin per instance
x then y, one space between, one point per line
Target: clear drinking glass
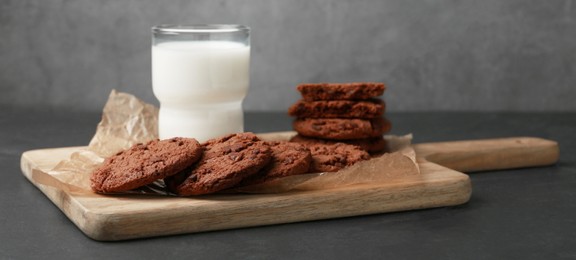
200 75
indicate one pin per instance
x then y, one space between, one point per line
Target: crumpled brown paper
126 121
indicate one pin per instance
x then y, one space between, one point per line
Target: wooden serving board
136 216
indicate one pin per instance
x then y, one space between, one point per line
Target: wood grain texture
490 154
131 216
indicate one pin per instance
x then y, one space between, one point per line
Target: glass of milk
200 75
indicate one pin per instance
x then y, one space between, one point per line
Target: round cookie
226 162
341 128
143 164
372 108
371 144
341 91
288 158
333 157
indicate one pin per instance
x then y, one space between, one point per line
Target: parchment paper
126 121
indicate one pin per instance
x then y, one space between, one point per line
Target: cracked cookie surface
334 157
143 164
341 128
371 144
341 91
371 108
226 162
288 159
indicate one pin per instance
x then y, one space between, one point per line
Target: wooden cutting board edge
425 191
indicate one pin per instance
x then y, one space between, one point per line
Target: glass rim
200 28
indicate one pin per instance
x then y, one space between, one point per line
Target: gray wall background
494 55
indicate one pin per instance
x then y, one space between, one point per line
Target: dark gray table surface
513 214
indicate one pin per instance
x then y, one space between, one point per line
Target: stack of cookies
348 113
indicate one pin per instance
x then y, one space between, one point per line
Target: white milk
200 86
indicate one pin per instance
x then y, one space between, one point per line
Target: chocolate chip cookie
371 145
226 162
142 164
333 157
288 158
340 91
341 129
371 108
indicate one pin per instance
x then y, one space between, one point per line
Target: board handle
490 154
